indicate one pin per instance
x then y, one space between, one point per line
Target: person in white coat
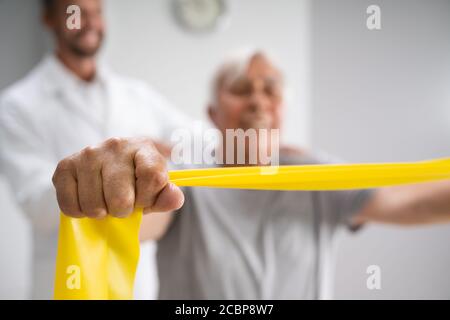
71 100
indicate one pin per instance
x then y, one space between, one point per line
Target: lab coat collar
62 79
63 83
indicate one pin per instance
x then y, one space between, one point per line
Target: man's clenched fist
113 178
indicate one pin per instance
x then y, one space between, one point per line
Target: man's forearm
431 202
424 203
155 225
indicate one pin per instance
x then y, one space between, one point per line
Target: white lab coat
51 114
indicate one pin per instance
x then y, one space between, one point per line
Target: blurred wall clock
201 15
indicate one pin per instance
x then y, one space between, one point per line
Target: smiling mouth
257 122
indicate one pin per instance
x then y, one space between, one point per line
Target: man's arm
424 203
27 166
155 225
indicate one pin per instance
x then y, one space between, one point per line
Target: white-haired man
241 244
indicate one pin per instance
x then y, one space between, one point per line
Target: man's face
251 100
86 41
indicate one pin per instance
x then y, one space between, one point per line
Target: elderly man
232 244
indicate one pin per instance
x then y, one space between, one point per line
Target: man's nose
258 101
90 19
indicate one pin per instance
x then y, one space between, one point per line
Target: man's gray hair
234 65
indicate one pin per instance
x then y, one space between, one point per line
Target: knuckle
95 212
90 153
159 179
62 167
55 178
121 202
89 159
115 143
148 142
87 205
153 176
70 211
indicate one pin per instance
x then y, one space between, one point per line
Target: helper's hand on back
113 178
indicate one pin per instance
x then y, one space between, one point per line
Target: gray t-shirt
251 244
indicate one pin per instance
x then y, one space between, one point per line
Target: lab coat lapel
113 114
63 85
122 119
73 101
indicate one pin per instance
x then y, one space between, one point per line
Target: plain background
362 95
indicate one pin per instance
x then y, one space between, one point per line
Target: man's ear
47 20
212 113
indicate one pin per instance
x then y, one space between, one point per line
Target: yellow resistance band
97 259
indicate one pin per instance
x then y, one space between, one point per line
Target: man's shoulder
141 91
293 155
136 85
27 89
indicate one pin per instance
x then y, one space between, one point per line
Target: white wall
385 96
21 46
